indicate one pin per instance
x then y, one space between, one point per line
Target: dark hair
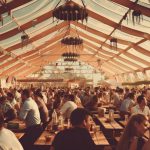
95 98
78 116
10 95
71 97
26 92
38 93
119 90
131 95
1 118
3 99
140 99
130 131
39 90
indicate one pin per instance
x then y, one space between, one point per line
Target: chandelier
70 56
136 16
69 69
71 59
98 62
113 43
24 39
72 40
70 12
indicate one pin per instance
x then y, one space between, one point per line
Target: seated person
77 99
44 114
7 109
141 107
8 140
77 137
13 102
93 104
132 137
29 113
68 106
127 104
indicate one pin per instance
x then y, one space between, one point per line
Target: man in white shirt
68 106
141 107
29 112
8 140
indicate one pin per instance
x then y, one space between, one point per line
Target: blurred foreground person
8 140
77 137
147 145
131 138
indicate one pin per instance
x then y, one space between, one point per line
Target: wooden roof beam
129 4
12 5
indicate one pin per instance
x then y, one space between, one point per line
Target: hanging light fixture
70 56
137 16
113 43
71 59
98 62
72 43
69 69
72 40
24 39
70 11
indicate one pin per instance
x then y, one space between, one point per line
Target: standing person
29 112
77 137
131 138
8 140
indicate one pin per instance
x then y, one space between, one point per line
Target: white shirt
67 109
8 140
44 97
126 104
30 112
14 102
136 110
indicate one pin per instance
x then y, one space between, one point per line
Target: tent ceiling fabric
34 18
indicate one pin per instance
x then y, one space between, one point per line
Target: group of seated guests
132 102
35 107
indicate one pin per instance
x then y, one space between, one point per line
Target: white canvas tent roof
34 17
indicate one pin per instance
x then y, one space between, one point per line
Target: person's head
1 119
131 95
136 127
3 99
38 94
141 100
71 97
10 96
127 90
80 117
119 91
26 93
148 94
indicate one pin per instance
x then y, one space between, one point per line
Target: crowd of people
35 107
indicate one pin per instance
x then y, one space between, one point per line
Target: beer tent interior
128 62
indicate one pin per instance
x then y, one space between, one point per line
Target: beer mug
111 115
